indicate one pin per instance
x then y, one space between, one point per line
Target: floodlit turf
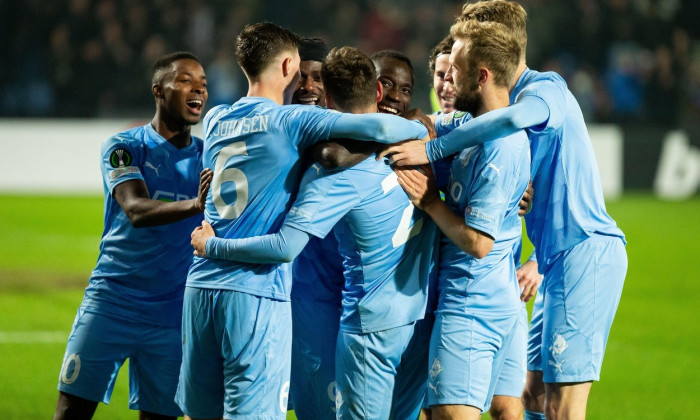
48 245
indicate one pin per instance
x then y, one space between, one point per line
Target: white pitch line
32 337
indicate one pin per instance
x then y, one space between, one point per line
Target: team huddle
353 258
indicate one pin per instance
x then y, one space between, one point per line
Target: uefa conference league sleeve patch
120 160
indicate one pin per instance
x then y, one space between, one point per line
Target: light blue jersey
568 205
486 185
254 148
140 273
387 243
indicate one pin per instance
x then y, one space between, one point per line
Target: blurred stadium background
75 71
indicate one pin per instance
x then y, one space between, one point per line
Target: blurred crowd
625 60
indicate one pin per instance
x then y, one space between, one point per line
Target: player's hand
419 184
204 182
418 115
407 153
528 279
199 237
526 201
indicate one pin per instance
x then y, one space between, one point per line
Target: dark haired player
387 249
310 90
236 316
154 196
395 72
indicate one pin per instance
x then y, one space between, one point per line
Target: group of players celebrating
399 232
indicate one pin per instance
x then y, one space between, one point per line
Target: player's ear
484 75
286 65
157 90
380 91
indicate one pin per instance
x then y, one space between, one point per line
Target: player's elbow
382 132
285 258
480 253
136 220
477 246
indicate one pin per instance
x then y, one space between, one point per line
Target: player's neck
495 99
177 134
359 109
522 66
272 86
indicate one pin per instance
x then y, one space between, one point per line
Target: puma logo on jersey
498 170
150 165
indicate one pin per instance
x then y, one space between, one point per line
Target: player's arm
382 128
321 202
525 204
275 248
428 121
420 186
143 211
529 278
527 111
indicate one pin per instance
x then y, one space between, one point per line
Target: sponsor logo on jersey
120 172
458 114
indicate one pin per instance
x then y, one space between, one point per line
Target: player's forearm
276 248
528 112
145 212
469 240
378 127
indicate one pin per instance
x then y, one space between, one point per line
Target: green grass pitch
48 245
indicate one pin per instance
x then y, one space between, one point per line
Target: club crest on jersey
120 158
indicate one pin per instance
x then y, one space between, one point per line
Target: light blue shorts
97 347
368 368
579 297
315 331
412 376
236 351
467 352
534 336
511 381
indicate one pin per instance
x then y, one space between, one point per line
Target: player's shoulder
453 118
133 138
510 144
536 81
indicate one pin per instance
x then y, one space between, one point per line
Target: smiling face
465 80
444 90
396 78
310 89
182 92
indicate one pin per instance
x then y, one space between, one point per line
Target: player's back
568 205
254 146
388 247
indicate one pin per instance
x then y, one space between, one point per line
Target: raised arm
143 211
528 111
383 128
274 248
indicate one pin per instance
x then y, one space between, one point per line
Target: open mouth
195 105
387 110
308 99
